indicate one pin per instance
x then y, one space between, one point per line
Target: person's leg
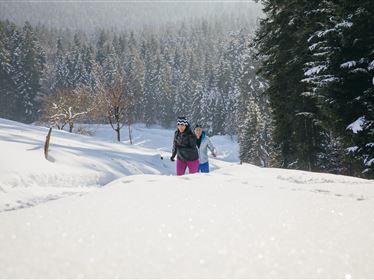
181 167
204 167
193 166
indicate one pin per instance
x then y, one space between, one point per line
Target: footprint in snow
321 191
127 181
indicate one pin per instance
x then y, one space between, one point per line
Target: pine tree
150 83
29 69
282 44
197 113
209 95
234 57
109 63
183 85
341 72
222 98
60 68
250 149
166 95
134 68
76 68
5 72
176 78
101 47
88 77
12 42
255 130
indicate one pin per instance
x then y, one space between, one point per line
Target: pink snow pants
193 166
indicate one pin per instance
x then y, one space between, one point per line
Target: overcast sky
130 14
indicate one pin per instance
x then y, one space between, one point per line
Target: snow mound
239 221
114 211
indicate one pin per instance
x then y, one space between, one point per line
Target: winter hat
182 120
198 125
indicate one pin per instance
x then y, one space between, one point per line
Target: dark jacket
184 145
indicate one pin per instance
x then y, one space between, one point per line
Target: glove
172 159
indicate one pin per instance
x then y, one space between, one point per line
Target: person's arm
211 147
193 140
174 150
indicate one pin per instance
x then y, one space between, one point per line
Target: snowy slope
77 163
237 221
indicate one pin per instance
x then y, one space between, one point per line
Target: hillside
135 220
78 164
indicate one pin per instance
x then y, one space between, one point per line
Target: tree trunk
130 134
118 130
71 126
46 144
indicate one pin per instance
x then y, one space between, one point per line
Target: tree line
297 94
318 60
195 69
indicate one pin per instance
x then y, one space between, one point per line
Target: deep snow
79 164
237 221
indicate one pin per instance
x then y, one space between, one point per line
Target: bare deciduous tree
117 104
65 107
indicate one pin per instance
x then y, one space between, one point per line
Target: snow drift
237 221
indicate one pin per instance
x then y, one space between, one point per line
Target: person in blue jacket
203 143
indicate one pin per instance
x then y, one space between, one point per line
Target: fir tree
5 75
250 138
282 44
209 95
167 116
341 72
150 83
29 70
255 130
60 68
134 68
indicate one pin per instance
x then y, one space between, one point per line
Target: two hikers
191 149
203 144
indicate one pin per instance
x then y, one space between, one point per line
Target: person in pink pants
184 147
193 166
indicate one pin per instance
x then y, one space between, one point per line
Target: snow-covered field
79 164
120 213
